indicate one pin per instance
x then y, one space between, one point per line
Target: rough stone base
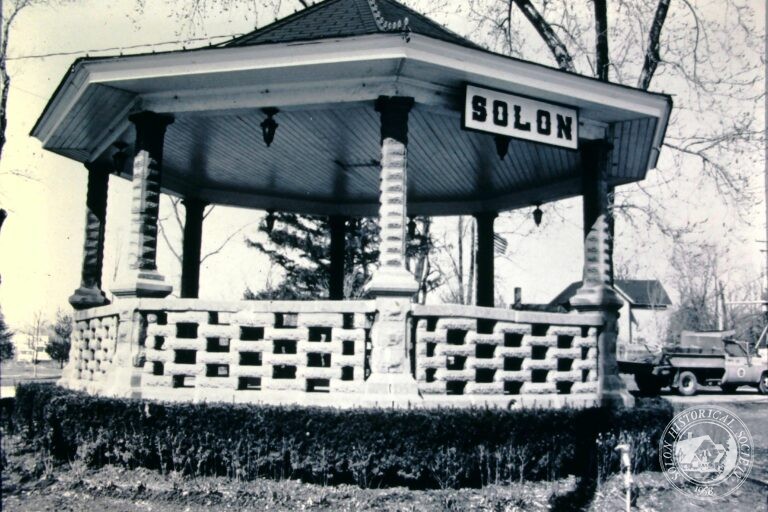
143 284
85 298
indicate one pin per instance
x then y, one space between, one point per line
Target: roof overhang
89 111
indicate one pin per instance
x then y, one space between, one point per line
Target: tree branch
222 244
555 45
652 55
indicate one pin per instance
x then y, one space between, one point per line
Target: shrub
370 447
7 405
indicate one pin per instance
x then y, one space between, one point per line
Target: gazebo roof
346 18
323 69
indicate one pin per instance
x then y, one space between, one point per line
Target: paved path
717 398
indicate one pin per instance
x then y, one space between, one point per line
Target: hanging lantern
537 214
502 145
269 125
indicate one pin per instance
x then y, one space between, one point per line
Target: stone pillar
193 237
89 294
143 279
596 292
392 276
392 285
337 224
484 256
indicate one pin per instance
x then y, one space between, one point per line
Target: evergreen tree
7 348
300 246
60 340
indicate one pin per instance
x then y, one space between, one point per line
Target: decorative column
392 285
143 279
338 233
596 292
484 255
90 294
193 237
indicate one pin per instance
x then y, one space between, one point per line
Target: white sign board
500 113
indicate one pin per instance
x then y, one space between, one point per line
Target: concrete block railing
467 354
248 351
319 353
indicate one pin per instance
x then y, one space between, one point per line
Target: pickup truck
710 359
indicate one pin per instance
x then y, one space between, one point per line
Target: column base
397 282
86 298
614 393
145 283
392 386
590 298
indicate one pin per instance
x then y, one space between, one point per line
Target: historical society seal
706 452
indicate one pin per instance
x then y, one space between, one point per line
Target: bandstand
348 108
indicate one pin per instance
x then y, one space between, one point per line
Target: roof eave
446 55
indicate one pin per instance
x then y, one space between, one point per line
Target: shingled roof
347 18
639 292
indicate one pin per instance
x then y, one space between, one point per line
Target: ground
30 482
15 372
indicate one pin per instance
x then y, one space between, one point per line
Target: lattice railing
93 348
506 355
286 346
288 351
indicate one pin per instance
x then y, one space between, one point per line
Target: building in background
644 317
26 348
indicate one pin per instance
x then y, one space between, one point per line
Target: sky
41 241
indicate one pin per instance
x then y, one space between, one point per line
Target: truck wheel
647 384
687 384
762 386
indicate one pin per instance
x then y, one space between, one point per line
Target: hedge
370 447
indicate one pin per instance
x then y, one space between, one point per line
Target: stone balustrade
319 353
94 341
475 355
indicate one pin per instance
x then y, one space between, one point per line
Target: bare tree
35 332
455 263
175 218
696 271
713 63
9 11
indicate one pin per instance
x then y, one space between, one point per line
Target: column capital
150 131
194 202
149 118
485 216
394 112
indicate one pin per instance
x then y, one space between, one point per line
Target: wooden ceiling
327 161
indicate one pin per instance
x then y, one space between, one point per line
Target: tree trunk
555 45
470 297
652 55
